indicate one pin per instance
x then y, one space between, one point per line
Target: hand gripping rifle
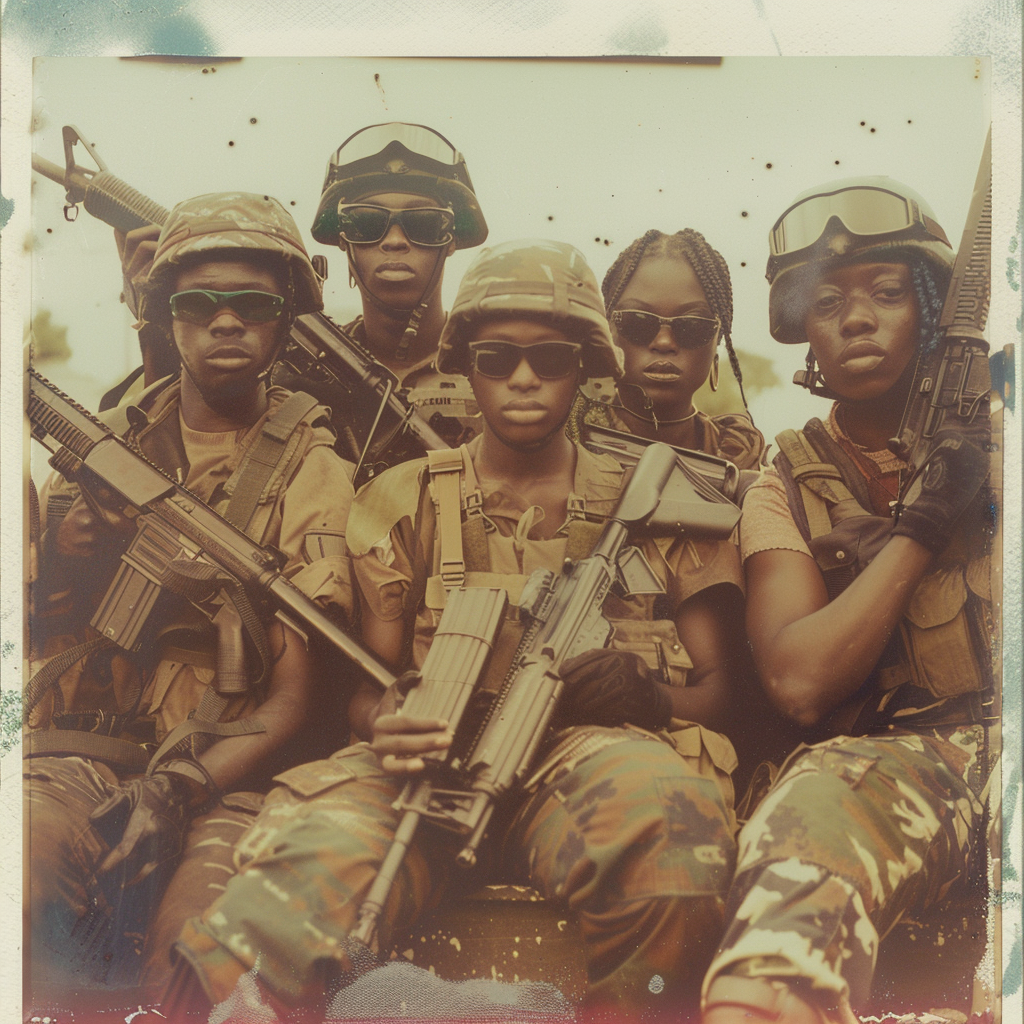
318 348
952 383
562 612
176 534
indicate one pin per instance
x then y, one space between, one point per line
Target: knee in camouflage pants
855 832
634 837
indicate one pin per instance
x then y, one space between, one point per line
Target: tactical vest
937 667
462 557
247 500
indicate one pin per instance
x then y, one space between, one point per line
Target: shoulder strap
805 477
819 477
446 473
259 462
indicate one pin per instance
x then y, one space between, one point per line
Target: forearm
813 663
233 760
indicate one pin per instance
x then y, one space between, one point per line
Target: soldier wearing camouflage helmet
646 874
871 633
112 797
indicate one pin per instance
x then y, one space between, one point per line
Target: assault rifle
562 612
174 530
952 381
319 350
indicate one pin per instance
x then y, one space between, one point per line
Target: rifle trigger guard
71 212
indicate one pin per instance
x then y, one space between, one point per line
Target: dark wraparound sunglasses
200 306
549 359
363 223
639 327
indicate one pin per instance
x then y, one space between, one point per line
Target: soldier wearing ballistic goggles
115 790
398 200
872 634
628 819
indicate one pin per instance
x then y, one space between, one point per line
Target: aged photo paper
589 137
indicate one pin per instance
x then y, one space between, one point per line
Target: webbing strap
48 675
123 754
259 462
820 482
446 484
183 732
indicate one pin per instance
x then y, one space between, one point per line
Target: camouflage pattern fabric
220 222
89 934
200 877
532 277
630 834
855 832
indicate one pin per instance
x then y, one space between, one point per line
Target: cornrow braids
708 264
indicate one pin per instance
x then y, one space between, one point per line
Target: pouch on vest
658 645
937 636
940 647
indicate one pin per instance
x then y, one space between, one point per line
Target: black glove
953 474
145 823
610 688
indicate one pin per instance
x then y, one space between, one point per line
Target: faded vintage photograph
513 540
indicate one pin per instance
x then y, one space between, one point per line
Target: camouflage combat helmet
544 280
229 222
855 220
399 157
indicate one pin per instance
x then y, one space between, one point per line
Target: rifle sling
178 739
122 754
40 684
258 464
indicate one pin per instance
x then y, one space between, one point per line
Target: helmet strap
411 316
812 379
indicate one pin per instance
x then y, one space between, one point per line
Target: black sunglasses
200 305
363 223
641 328
549 359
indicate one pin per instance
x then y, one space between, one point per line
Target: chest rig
121 736
936 668
462 557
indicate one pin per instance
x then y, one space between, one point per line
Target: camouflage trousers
634 833
88 932
854 833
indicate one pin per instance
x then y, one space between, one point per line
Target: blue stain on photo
84 27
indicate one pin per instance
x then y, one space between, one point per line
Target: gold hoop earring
713 378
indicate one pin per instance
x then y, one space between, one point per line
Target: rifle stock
460 788
172 524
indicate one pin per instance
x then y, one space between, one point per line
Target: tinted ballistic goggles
639 327
866 210
362 223
548 359
200 306
416 138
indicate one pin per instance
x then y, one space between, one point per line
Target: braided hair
708 264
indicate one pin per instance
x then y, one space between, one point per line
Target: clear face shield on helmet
373 141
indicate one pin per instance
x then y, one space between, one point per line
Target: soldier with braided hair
669 300
871 633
